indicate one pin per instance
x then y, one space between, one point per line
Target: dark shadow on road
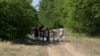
30 41
26 41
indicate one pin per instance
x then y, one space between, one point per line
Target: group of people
46 34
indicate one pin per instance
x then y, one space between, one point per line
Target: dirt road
63 49
71 47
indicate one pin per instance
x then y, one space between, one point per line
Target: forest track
63 49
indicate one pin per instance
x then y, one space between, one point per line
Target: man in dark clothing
36 32
40 29
42 32
47 35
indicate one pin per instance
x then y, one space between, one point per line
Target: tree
47 14
16 18
81 16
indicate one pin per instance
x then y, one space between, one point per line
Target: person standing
47 35
36 32
54 33
61 34
42 32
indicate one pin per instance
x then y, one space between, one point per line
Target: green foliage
81 16
85 20
47 14
16 18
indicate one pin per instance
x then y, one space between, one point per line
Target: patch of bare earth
63 49
9 49
57 50
87 46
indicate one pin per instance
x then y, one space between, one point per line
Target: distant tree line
82 16
16 18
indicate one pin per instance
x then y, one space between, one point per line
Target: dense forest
82 16
16 18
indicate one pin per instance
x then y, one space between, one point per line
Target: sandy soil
63 49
